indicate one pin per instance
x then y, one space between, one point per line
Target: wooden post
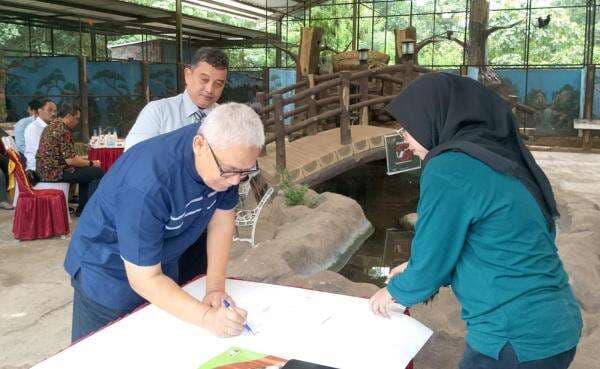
83 99
410 74
279 132
180 77
344 92
588 105
179 46
146 81
364 96
3 80
261 99
312 107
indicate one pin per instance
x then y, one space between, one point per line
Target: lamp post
408 47
363 56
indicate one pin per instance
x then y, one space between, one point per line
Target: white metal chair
249 218
244 188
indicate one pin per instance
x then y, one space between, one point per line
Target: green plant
293 193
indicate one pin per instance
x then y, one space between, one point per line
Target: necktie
199 116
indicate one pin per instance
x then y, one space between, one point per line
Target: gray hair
233 124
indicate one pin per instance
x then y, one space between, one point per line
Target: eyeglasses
232 173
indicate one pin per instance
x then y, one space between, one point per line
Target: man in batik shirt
56 160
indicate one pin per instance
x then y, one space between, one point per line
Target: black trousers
193 261
88 179
508 360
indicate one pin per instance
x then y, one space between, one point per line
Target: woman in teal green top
485 228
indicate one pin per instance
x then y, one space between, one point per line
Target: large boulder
300 240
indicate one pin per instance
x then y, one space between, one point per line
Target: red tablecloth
107 156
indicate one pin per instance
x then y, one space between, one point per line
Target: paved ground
35 295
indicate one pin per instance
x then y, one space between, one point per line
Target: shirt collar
189 107
189 161
40 122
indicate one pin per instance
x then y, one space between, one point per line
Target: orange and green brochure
238 358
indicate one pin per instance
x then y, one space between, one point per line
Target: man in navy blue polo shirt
149 208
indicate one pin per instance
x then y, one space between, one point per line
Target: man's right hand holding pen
225 321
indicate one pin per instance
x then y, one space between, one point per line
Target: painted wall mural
242 86
162 80
115 95
596 106
56 78
555 93
279 78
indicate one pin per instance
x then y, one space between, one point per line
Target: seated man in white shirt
19 131
204 79
33 132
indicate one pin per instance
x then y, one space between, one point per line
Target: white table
325 328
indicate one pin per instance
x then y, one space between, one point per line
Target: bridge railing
321 97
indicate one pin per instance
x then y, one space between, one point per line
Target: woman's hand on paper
225 322
215 299
381 303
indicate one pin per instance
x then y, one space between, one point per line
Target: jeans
508 360
88 179
88 315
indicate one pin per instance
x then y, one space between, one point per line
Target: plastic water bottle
94 138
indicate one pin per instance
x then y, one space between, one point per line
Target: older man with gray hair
149 208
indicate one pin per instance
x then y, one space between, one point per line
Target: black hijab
445 112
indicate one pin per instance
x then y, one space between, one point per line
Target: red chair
39 213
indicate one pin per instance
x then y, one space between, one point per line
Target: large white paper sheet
325 328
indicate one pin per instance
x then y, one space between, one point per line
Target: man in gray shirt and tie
204 82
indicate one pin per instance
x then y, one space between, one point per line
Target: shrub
293 194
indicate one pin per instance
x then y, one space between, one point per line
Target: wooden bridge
322 141
316 158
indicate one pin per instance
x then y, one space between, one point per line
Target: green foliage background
561 43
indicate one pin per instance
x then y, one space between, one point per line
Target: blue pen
246 326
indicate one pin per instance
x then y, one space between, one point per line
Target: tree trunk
478 27
308 53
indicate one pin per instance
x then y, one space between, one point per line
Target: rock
301 241
311 199
441 314
265 231
408 222
441 351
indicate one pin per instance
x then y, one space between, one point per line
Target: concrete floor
35 295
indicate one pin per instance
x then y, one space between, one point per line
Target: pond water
384 199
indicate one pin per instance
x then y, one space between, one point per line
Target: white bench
249 218
587 125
